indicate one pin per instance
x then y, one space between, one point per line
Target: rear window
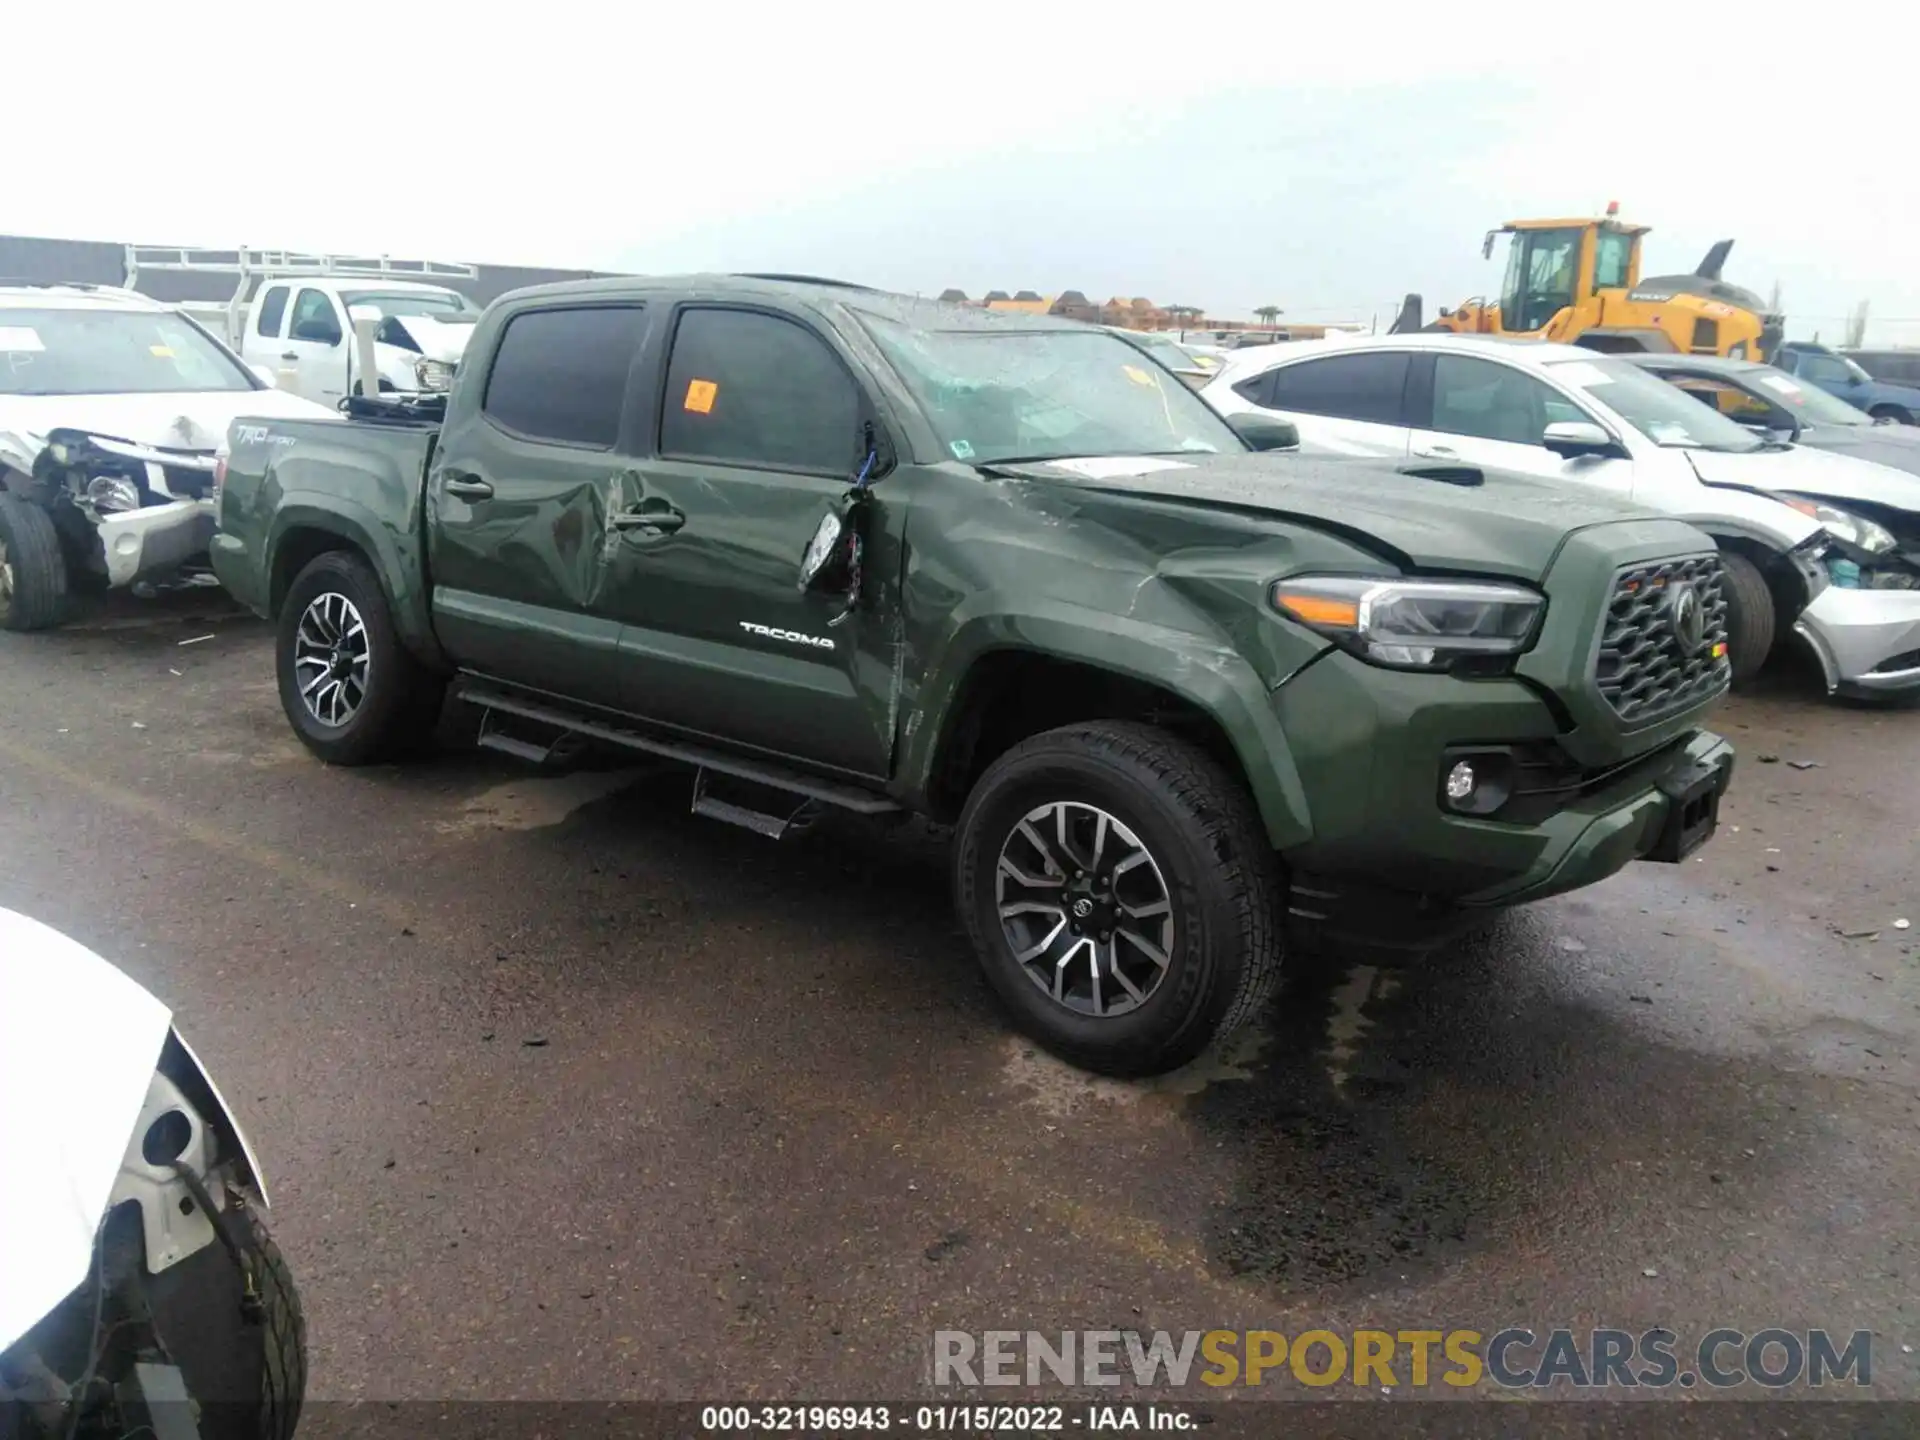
560 376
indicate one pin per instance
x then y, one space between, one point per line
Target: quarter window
1345 387
561 375
273 305
758 390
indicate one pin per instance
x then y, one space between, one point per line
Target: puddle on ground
535 802
1060 1090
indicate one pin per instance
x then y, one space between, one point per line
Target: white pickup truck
293 315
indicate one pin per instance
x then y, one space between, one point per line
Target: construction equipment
1578 281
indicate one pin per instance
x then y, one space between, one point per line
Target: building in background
104 262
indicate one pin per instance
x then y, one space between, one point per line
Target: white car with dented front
112 409
136 1272
1796 552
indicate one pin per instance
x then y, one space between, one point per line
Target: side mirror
1263 432
1573 438
824 566
266 375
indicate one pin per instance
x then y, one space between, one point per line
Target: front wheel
1750 616
1120 894
33 571
1892 412
352 692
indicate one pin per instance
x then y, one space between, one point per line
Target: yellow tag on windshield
1137 375
164 352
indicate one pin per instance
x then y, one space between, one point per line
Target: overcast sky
1324 159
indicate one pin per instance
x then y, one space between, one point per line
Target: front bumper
1865 640
1605 832
1390 868
154 539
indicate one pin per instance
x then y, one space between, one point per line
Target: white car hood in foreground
1799 470
78 1045
193 420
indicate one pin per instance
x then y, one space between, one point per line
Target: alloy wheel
331 659
1084 908
6 581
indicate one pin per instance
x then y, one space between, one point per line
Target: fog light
1460 782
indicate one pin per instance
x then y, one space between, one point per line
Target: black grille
1643 668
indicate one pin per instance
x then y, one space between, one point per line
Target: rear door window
1368 386
560 376
755 389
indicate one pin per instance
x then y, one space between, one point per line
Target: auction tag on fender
700 396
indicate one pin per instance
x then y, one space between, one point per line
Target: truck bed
296 487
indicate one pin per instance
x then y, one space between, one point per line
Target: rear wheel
353 693
1120 894
33 572
1750 616
1892 412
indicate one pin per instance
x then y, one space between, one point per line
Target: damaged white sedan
112 407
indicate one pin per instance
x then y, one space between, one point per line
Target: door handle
662 521
467 487
290 355
1436 452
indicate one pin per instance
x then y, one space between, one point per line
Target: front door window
1541 270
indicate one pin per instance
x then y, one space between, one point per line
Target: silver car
1798 553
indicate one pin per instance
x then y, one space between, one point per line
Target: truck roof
916 311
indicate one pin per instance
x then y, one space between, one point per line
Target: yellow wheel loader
1578 281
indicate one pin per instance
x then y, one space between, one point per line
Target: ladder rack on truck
256 265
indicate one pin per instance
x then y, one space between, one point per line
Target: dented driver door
519 495
759 436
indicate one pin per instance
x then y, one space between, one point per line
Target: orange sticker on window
1137 375
700 396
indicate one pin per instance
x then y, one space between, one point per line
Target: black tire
1203 834
33 589
399 702
283 1327
1750 616
1892 412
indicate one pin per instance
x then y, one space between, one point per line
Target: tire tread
1237 852
39 565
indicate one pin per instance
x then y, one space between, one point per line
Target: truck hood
78 1044
1507 525
1801 470
196 420
437 341
1895 445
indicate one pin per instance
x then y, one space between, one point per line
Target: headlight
1414 624
110 493
433 374
1856 530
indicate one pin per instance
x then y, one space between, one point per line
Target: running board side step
758 772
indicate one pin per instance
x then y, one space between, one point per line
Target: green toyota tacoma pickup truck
1182 697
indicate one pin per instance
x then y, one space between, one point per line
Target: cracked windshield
867 719
1012 395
